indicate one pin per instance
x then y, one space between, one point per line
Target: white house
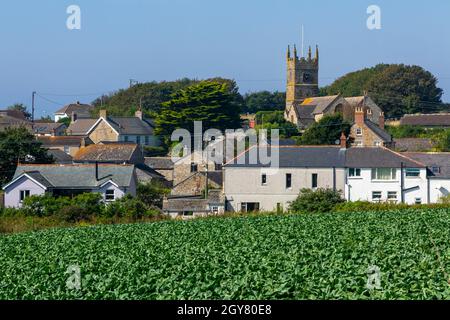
112 181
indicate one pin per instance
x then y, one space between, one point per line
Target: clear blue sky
169 39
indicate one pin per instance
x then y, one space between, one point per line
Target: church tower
302 77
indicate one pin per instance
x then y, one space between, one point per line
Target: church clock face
307 78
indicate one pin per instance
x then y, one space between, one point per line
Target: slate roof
378 131
355 101
131 125
320 103
71 141
36 175
435 119
159 163
80 127
440 160
81 110
110 152
413 144
60 156
46 127
13 114
378 157
79 176
295 156
194 203
7 121
332 156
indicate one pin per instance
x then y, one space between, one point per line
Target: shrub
73 213
445 199
45 205
313 201
128 207
155 151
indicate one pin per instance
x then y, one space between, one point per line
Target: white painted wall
438 189
12 193
361 188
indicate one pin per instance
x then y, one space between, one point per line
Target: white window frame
392 196
355 171
377 199
359 132
415 175
23 194
113 195
393 174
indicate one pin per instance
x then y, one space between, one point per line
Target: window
358 131
125 138
109 195
249 206
354 172
412 172
264 179
194 167
384 173
358 143
392 196
436 169
288 180
314 180
377 143
138 139
147 140
418 201
67 149
376 196
217 166
24 194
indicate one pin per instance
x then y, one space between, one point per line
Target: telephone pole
32 106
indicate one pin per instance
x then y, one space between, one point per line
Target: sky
246 40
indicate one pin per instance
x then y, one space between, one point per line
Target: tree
275 120
152 193
22 108
65 120
211 102
264 101
326 131
316 201
396 88
19 145
151 96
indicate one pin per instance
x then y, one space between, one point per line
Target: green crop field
324 256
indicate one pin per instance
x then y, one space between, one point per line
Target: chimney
83 143
343 140
74 116
96 170
102 113
359 116
138 114
381 120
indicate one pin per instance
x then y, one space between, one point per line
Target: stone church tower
302 77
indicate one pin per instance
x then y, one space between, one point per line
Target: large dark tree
397 88
19 145
326 131
151 96
211 102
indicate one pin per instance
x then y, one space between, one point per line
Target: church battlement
302 76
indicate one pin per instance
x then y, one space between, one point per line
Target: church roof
319 103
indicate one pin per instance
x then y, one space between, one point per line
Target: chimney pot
359 116
381 120
138 114
343 140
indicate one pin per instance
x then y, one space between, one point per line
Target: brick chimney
138 114
381 120
343 140
103 113
359 116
